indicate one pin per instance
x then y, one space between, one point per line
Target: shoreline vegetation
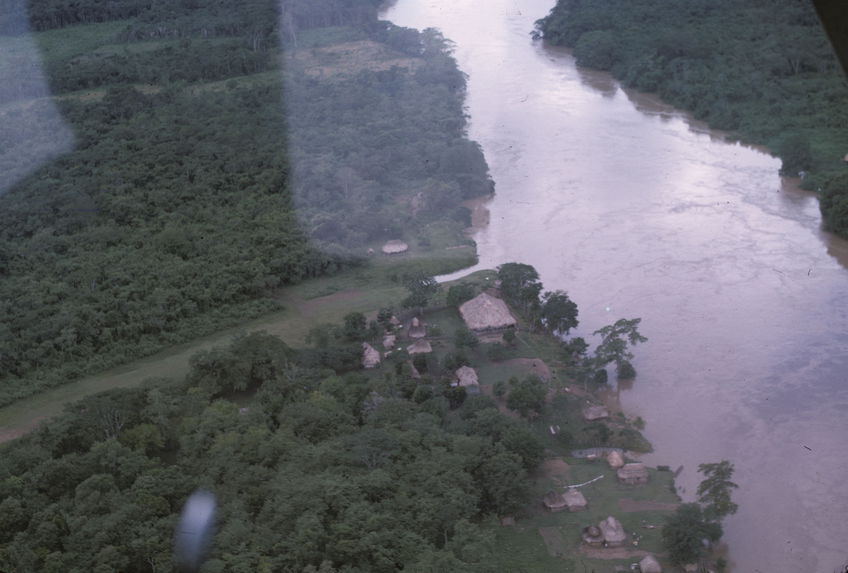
763 72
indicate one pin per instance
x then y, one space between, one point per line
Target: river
638 211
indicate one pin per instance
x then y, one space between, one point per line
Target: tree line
763 70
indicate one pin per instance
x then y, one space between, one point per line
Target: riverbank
781 88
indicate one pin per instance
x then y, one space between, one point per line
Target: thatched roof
420 347
592 535
650 565
554 501
370 356
486 312
633 473
592 413
389 341
466 376
394 321
574 500
417 329
615 459
613 532
394 247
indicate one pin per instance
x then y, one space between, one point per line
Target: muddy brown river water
638 211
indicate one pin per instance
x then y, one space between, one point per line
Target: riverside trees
762 70
684 532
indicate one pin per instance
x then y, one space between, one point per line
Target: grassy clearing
323 300
64 43
543 541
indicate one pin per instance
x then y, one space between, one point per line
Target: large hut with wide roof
486 312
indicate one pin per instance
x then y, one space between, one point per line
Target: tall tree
558 312
616 340
520 285
715 491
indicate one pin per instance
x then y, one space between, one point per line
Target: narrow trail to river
638 211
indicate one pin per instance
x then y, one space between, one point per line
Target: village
599 504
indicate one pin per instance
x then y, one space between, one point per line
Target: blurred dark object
193 537
834 16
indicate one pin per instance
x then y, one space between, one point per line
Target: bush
626 371
454 360
465 338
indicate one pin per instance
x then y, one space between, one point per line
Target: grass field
317 301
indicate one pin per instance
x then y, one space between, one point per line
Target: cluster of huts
417 331
483 313
609 532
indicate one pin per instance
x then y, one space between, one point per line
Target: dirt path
631 505
291 325
612 552
532 366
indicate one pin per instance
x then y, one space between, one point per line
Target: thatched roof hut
394 247
466 376
370 356
633 474
420 347
613 532
389 341
615 459
417 329
592 413
486 312
649 564
554 502
574 500
593 536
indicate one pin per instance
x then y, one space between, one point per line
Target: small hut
613 532
420 347
466 376
370 356
394 321
554 502
649 564
593 536
592 413
574 500
389 341
394 247
633 474
417 329
615 459
486 312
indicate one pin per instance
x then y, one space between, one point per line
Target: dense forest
762 70
174 213
323 470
